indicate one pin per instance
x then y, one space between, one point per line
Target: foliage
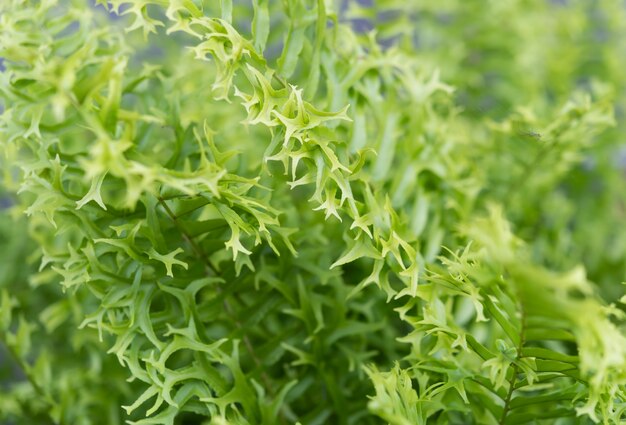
263 212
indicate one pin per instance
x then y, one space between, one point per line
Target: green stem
25 368
522 341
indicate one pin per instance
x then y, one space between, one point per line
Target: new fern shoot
312 212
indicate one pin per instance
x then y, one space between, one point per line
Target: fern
236 212
551 345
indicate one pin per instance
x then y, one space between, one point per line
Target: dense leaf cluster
312 212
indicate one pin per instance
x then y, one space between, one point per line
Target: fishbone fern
234 213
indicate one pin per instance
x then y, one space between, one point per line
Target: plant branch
211 270
522 341
25 370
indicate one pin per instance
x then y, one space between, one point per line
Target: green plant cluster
312 212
